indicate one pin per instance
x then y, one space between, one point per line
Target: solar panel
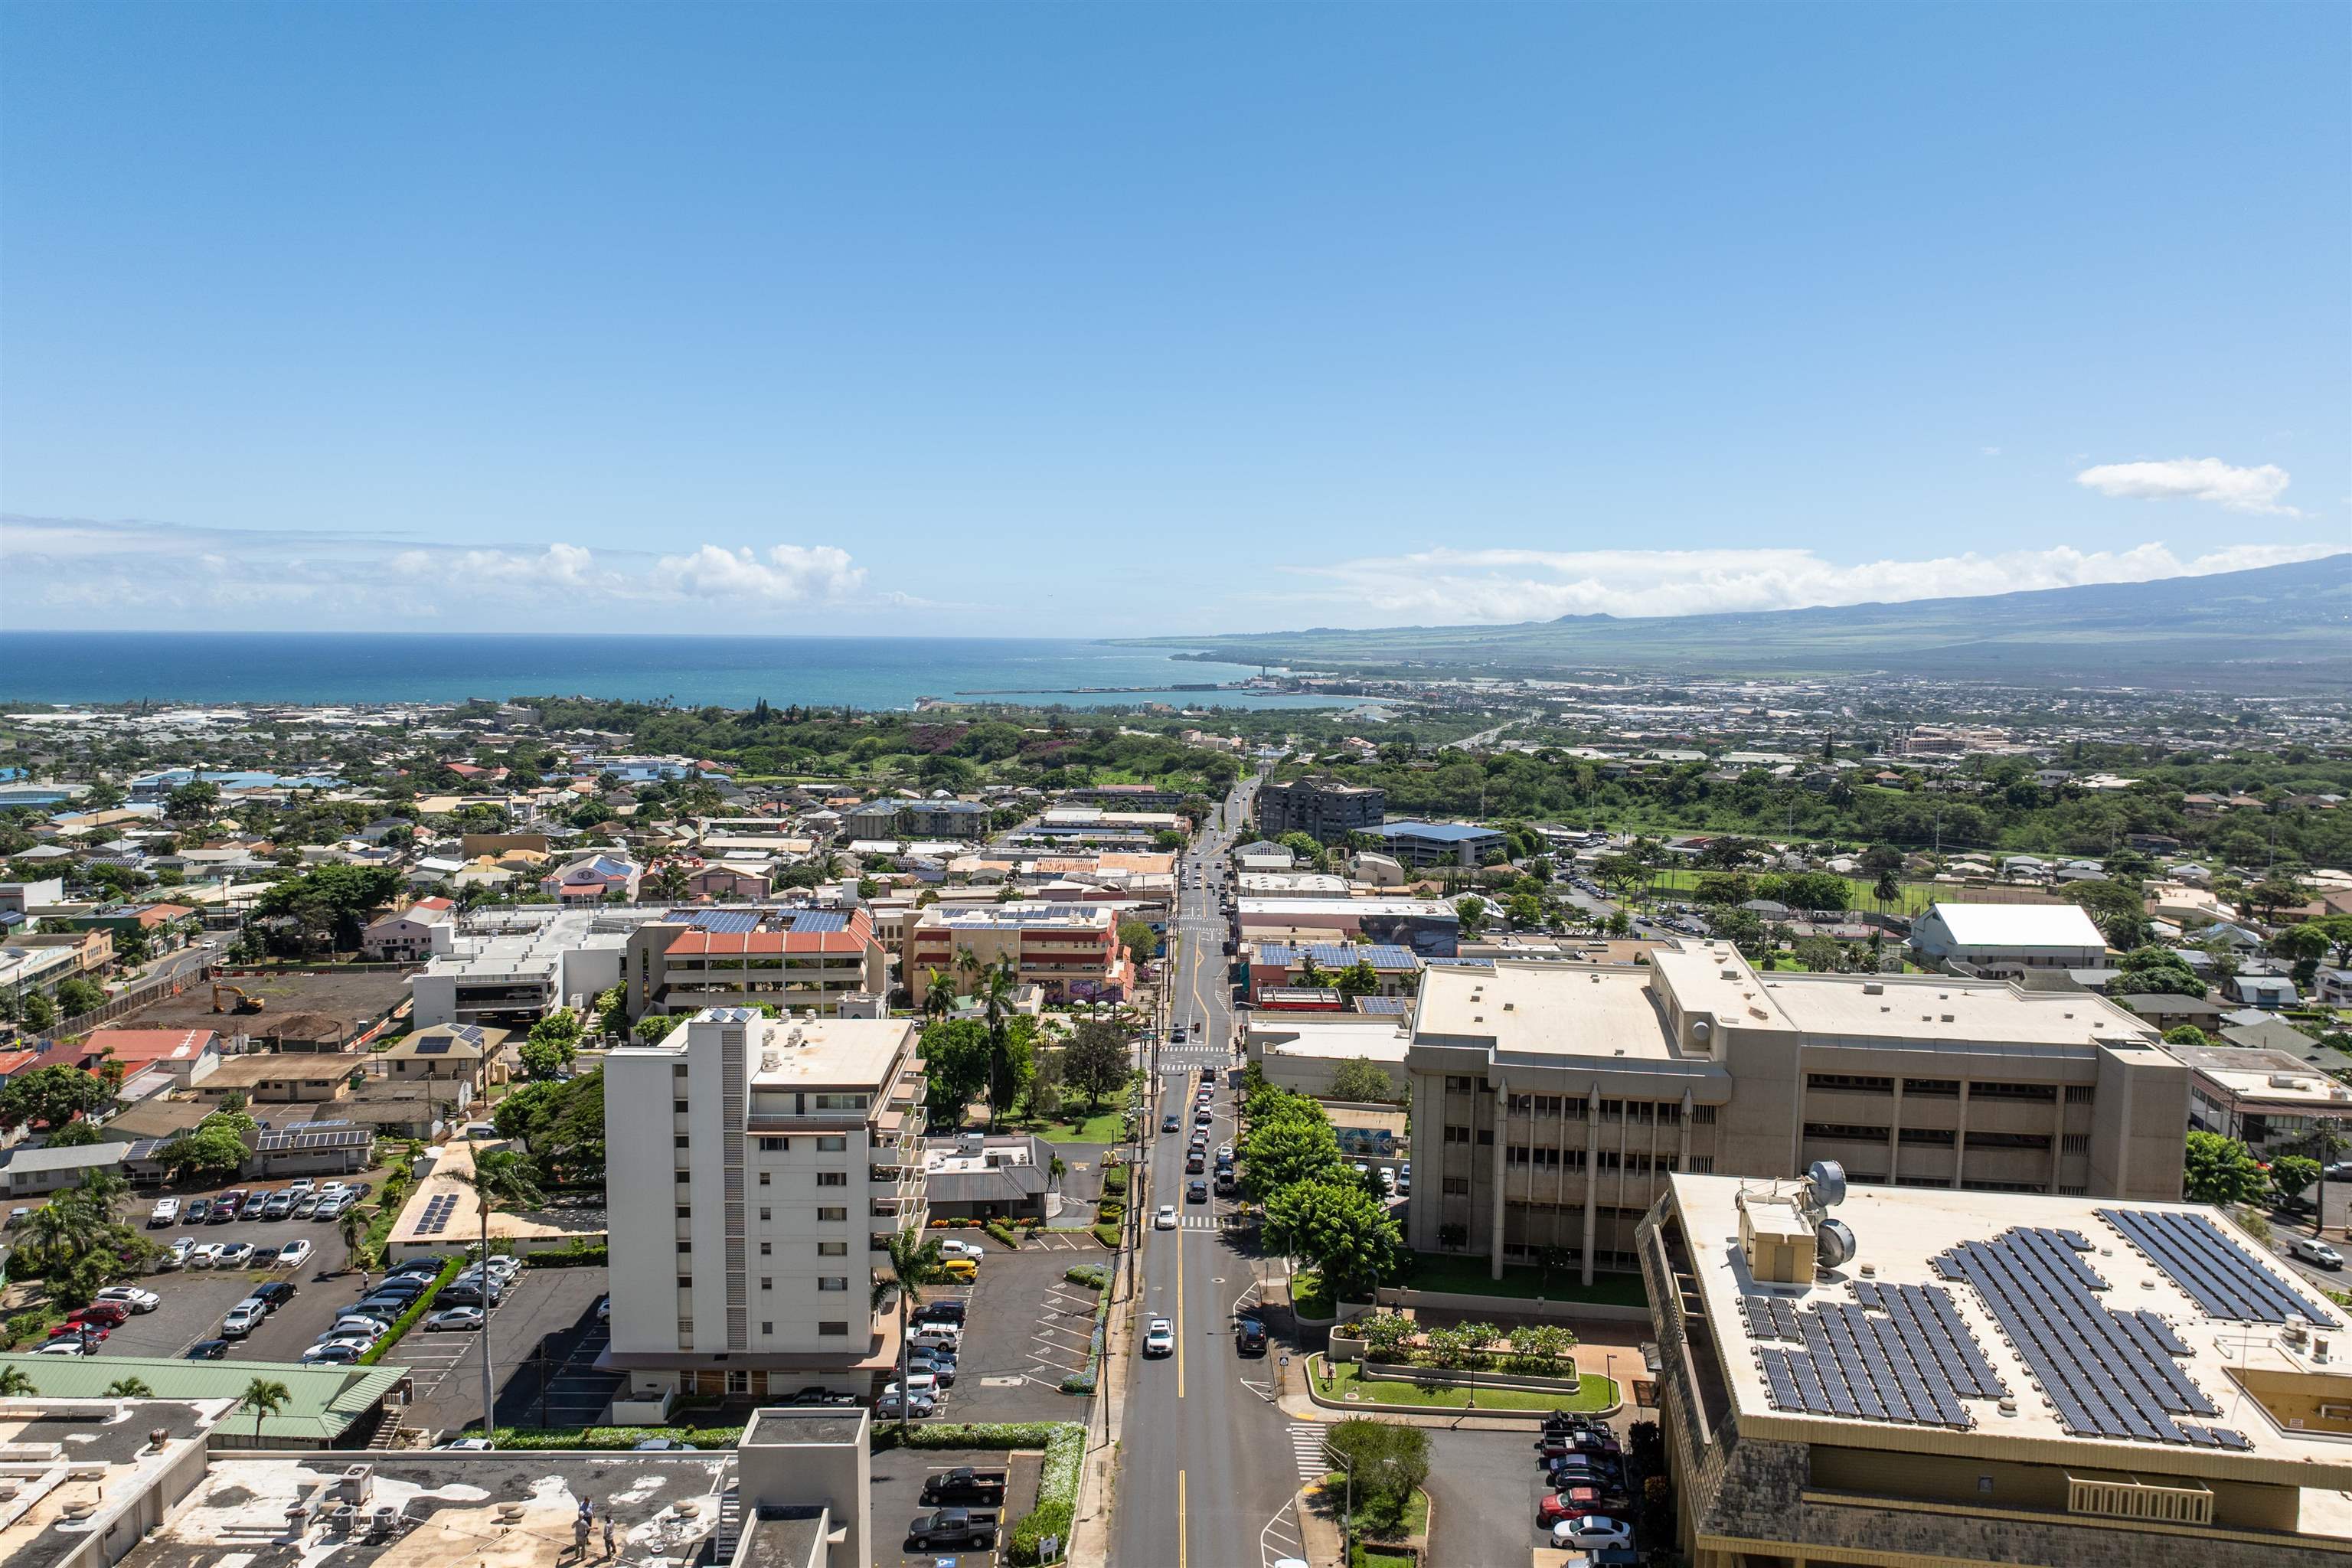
729 921
1912 1363
2107 1373
817 920
433 1046
2218 1274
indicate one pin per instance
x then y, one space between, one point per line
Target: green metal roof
322 1401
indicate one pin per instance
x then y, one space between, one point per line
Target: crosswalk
1198 1221
1306 1449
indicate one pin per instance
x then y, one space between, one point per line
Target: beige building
757 1169
1551 1101
2267 1099
1932 1378
799 959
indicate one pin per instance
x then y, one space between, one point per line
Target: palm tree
265 1396
914 1263
1887 892
501 1179
129 1388
351 1225
15 1383
939 996
996 988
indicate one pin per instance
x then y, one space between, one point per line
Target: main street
1206 1462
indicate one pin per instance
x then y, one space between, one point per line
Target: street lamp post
1348 1511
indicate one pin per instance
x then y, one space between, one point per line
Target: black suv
275 1294
1196 1192
1249 1337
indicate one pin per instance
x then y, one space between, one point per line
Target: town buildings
1916 1376
1070 951
1323 809
1550 1101
1422 845
793 959
756 1170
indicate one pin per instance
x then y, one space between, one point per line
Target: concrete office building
1424 845
1940 1378
1552 1101
521 963
1323 809
757 1169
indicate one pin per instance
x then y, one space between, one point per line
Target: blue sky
1139 318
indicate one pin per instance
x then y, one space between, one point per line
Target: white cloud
791 572
324 578
2193 479
1501 585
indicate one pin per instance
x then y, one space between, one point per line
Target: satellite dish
1827 1178
1834 1243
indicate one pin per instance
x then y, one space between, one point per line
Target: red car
97 1331
1569 1504
113 1314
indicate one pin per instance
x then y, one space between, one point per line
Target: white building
757 1169
526 961
2003 941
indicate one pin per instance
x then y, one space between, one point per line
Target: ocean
328 668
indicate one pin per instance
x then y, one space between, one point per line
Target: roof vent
1948 1017
2009 1404
1872 988
769 1061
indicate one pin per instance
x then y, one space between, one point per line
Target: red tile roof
140 1048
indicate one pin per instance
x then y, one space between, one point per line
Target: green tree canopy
52 1096
955 1057
331 901
2293 1174
1096 1060
2219 1169
1339 1229
1362 1080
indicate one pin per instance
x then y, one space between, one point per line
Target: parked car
175 1255
233 1255
207 1350
919 1404
963 1270
70 1346
450 1317
954 1249
955 1528
275 1294
1249 1336
277 1206
1159 1338
92 1333
132 1297
1591 1529
113 1314
199 1210
306 1206
294 1254
965 1486
665 1446
603 1309
341 1353
948 1310
243 1319
364 1329
166 1211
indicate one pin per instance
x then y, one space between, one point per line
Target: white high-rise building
756 1169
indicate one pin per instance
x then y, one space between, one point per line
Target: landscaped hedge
998 1435
1098 1279
1004 1233
408 1319
709 1438
1114 1181
1108 1235
1057 1497
573 1256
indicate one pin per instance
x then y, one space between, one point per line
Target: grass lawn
1307 1297
1380 1520
1105 1127
1466 1275
1591 1393
1916 896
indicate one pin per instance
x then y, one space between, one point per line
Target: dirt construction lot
353 999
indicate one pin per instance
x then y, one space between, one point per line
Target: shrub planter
1407 1371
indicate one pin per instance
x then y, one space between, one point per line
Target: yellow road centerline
1181 1558
1180 1312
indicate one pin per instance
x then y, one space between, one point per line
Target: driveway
896 1489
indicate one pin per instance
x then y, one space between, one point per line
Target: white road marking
1307 1448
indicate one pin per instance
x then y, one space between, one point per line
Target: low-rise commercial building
1395 970
1428 926
1070 951
1553 1100
757 1169
1924 1377
796 959
2001 940
2267 1099
518 964
1430 844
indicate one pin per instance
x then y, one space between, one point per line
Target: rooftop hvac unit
1834 1243
1825 1180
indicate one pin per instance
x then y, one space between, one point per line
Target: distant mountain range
2273 629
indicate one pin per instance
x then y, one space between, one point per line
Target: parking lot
1027 1329
547 1305
896 1491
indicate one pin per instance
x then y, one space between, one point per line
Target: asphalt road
1205 1462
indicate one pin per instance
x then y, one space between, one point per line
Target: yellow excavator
244 1004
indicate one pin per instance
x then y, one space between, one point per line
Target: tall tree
501 1180
2219 1169
915 1263
265 1396
1096 1060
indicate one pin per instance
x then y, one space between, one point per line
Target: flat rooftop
1544 1010
1932 1007
484 1510
2273 1076
1959 1247
1340 1037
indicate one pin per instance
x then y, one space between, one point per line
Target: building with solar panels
1276 965
1069 951
1932 1376
800 960
1553 1102
756 1170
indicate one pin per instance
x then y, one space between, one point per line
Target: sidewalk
1090 1526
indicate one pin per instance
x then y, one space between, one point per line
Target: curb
1427 1416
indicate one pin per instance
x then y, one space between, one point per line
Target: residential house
414 934
2269 991
593 879
281 1077
454 1061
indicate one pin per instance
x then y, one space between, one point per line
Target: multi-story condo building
1921 1378
1551 1101
757 1169
1070 951
793 959
1323 809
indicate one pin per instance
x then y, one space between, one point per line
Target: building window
832 1283
1937 1088
764 1216
686 1281
2080 1093
1925 1137
679 1141
677 1071
765 1329
830 1216
1455 1085
832 1330
775 1145
2036 1141
833 1249
832 1178
2077 1144
1486 1135
1455 1186
767 1249
763 1178
767 1281
684 1212
1702 1164
1457 1135
1845 1131
1702 1115
2046 1093
1852 1083
677 1107
686 1246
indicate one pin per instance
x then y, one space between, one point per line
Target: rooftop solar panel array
313 1136
2216 1273
731 922
816 921
1899 1353
2105 1373
1340 954
435 1217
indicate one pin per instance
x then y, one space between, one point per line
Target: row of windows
826 1143
1604 1159
1948 1087
1943 1138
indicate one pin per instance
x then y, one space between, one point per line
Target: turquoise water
728 671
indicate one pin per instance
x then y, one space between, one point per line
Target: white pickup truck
166 1211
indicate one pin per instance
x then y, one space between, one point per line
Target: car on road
1196 1192
1159 1337
1165 1220
207 1350
1591 1529
971 1249
455 1318
2306 1249
1249 1336
1176 1036
166 1211
131 1296
294 1254
243 1319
